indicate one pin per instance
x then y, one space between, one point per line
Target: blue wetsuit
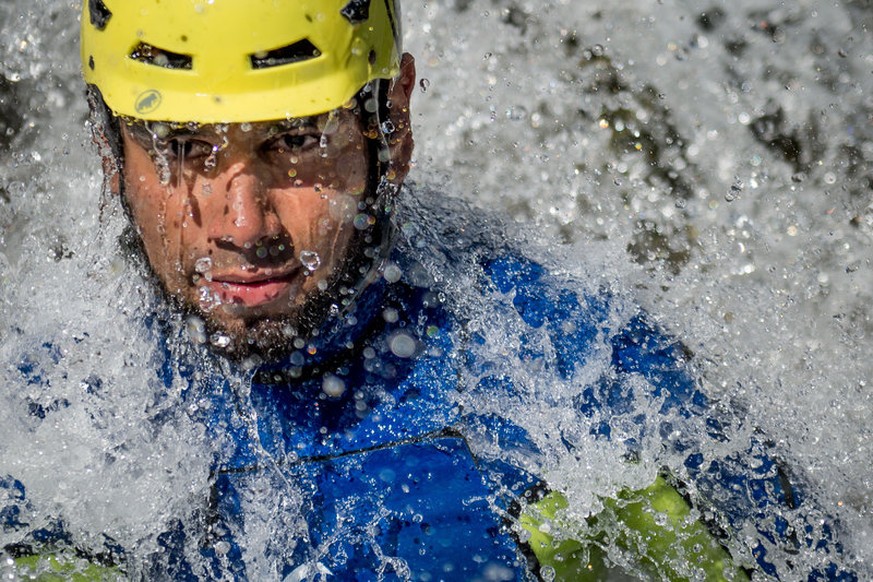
358 458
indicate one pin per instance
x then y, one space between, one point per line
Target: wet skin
243 222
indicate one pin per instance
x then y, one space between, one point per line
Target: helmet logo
148 101
356 11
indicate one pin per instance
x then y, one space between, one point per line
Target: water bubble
547 573
363 221
390 314
222 548
310 260
333 386
392 273
424 84
297 358
402 344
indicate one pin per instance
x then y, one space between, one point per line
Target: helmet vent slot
98 14
302 50
146 53
356 11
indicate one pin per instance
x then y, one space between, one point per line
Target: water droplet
392 273
547 573
333 386
196 329
387 475
212 160
734 191
390 314
363 221
402 344
219 340
208 299
203 265
297 359
516 113
310 260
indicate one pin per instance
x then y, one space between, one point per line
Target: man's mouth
252 290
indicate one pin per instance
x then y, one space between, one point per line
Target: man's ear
400 140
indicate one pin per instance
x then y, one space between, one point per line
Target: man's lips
251 290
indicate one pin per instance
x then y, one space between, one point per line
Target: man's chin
270 338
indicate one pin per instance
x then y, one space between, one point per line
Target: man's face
244 222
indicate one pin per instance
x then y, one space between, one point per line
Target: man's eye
188 148
293 142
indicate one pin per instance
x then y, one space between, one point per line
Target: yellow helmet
225 61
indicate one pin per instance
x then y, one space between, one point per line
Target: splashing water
714 158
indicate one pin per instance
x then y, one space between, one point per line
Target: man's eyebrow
144 131
295 123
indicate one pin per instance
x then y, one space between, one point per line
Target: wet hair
105 130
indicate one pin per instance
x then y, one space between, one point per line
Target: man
364 422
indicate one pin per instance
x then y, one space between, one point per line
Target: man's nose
246 218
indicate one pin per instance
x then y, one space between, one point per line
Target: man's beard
271 338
